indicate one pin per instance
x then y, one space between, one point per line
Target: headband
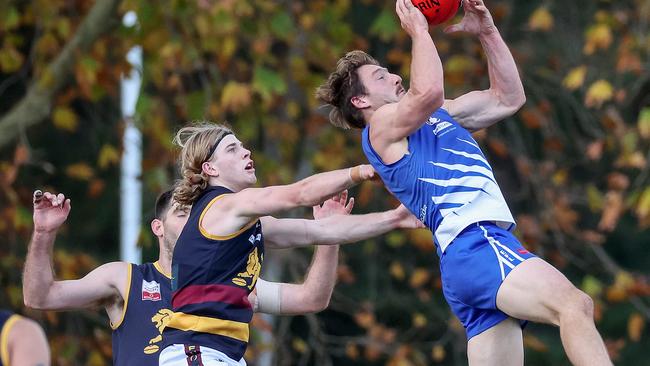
216 143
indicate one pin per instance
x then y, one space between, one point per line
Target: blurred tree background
573 163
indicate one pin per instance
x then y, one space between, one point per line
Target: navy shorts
473 267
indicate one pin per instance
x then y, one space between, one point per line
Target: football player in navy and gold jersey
22 341
217 258
137 297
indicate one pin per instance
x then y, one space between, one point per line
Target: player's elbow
317 304
518 101
432 95
34 302
512 103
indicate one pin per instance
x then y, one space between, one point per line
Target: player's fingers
453 28
397 8
350 205
60 198
67 205
344 196
38 196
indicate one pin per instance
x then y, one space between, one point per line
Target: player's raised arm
396 121
480 109
40 289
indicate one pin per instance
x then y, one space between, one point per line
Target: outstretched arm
481 109
314 293
336 229
231 212
40 290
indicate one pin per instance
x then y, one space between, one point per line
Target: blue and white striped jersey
444 179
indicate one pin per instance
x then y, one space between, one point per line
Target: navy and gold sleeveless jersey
7 320
212 277
137 336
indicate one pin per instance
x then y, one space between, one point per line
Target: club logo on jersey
151 291
439 124
253 267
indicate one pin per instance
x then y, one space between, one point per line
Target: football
437 11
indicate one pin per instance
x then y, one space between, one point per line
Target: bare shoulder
386 137
26 328
224 215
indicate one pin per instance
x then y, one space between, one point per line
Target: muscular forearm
321 277
503 73
311 296
426 68
343 229
38 275
319 187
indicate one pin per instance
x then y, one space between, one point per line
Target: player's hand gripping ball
437 11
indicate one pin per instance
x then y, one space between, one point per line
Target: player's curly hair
341 86
197 143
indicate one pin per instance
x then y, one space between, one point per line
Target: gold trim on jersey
205 233
227 328
4 338
157 265
126 297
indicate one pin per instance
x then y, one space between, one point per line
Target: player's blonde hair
341 86
197 143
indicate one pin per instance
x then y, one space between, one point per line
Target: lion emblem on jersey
253 267
160 320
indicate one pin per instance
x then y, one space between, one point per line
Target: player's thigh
536 291
500 345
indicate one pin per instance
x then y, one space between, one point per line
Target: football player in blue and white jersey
421 146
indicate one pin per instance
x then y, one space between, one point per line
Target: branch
36 105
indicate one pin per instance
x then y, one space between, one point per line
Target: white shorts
182 355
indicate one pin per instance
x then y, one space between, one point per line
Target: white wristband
269 297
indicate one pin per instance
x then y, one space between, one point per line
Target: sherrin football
437 11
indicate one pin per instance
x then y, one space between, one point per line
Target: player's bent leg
500 345
536 291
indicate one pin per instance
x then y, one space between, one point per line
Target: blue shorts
473 267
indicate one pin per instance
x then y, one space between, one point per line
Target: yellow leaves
236 96
64 118
365 319
108 155
575 78
419 277
598 36
438 353
457 68
598 93
419 320
644 123
635 325
397 271
422 239
541 20
80 171
352 351
620 290
613 208
299 345
592 286
10 59
643 207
